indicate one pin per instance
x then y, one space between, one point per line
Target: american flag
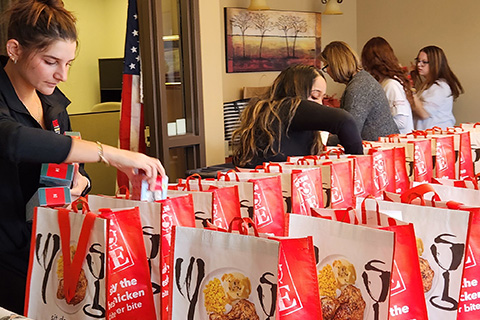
131 133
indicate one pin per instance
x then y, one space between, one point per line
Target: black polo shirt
24 146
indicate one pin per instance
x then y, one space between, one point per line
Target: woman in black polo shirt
42 42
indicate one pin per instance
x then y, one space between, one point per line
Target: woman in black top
42 42
287 119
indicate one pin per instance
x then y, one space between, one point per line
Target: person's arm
124 160
24 144
418 109
313 116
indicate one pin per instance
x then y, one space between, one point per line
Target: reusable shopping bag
298 295
406 291
151 224
222 275
354 266
441 241
85 266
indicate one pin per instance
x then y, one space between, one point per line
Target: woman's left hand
79 183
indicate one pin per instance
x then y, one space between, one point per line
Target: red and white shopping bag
130 293
469 299
402 182
46 283
341 187
177 211
222 275
383 169
87 266
363 176
354 266
298 296
441 241
465 163
268 207
151 224
307 191
406 292
423 162
444 157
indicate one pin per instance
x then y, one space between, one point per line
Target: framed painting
271 40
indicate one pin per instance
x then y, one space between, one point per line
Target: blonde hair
342 60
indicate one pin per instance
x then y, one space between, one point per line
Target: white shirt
438 102
399 105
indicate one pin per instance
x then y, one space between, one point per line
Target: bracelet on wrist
101 154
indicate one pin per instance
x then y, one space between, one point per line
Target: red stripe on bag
71 269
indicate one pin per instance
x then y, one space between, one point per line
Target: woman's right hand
129 162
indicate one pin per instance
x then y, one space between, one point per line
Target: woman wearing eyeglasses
287 119
380 61
437 87
363 97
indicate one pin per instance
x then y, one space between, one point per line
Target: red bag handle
226 175
258 168
72 269
418 192
476 123
269 166
346 212
367 144
192 177
393 137
454 205
386 197
123 188
243 225
211 226
364 210
474 180
338 152
84 202
302 161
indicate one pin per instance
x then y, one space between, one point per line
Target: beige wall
410 25
101 27
218 86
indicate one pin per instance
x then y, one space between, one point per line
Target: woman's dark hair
36 24
380 61
262 122
438 69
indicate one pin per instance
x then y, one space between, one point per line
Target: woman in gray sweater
363 97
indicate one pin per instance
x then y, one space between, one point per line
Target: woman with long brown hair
380 61
437 87
285 121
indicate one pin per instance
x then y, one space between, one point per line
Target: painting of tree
270 40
